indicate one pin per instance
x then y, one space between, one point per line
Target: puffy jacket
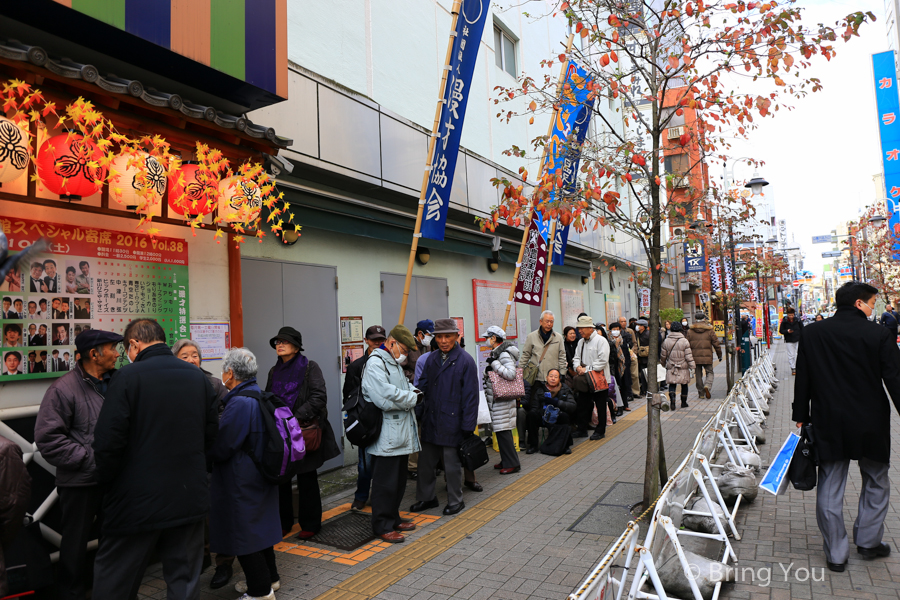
796 327
703 340
64 429
554 358
676 357
503 361
15 493
565 396
384 383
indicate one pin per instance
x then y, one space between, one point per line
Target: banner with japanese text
715 275
469 27
90 278
530 284
889 130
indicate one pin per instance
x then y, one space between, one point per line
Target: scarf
553 391
617 342
287 379
544 336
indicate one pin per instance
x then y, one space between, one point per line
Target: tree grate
610 514
348 531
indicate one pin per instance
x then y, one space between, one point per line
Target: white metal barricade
601 580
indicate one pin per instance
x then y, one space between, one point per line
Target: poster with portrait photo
31 309
81 308
349 353
12 363
62 334
42 362
79 328
51 278
13 281
55 362
12 335
82 281
41 336
43 310
60 307
34 280
16 310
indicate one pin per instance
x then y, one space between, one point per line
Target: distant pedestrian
385 385
449 413
592 354
557 394
64 432
619 365
703 340
157 422
791 328
502 360
678 360
642 333
15 494
819 317
844 365
889 320
299 383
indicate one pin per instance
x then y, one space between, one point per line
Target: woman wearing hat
299 383
503 360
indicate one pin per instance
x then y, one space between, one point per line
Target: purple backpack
283 446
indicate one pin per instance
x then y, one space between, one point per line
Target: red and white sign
530 284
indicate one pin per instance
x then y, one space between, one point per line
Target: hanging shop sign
885 73
530 284
694 256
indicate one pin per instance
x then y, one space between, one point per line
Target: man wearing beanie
385 384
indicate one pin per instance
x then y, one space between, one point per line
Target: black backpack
362 419
283 446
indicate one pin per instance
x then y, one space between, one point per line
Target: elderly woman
676 356
243 518
299 383
503 360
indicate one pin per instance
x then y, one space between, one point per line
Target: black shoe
877 552
474 486
413 475
221 577
531 450
620 411
684 404
452 509
358 505
598 436
671 405
424 505
568 450
837 568
579 434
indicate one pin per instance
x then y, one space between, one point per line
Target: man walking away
159 419
385 385
889 320
545 348
63 432
843 367
448 414
703 339
791 327
591 354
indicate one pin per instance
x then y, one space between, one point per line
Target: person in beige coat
678 360
545 348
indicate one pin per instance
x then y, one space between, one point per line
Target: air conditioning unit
681 182
673 133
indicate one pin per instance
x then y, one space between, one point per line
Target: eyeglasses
281 343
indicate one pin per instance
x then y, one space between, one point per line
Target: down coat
676 357
503 361
703 339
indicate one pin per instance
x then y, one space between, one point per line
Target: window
676 120
677 164
504 51
598 282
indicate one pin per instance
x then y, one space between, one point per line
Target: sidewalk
537 533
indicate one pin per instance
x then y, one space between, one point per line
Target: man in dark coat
889 320
63 432
15 493
448 414
791 327
158 420
843 365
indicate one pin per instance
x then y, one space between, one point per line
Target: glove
487 369
548 395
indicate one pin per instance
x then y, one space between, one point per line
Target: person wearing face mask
424 338
618 366
844 366
385 385
299 383
791 327
502 360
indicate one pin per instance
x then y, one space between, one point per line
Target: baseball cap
495 331
376 332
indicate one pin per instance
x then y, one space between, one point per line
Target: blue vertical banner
695 256
469 27
889 130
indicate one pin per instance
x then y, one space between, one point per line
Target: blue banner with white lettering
569 131
469 27
889 130
694 256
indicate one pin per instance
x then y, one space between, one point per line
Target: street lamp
756 184
877 219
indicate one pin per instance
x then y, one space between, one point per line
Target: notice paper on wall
214 338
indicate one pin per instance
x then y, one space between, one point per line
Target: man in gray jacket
544 347
63 432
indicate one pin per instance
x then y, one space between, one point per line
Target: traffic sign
822 239
796 284
832 254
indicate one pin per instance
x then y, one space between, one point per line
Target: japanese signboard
214 338
715 275
89 278
822 239
845 273
466 40
490 299
695 256
530 284
889 131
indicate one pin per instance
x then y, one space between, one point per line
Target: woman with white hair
243 514
189 351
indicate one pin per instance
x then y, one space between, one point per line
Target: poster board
352 330
572 305
613 307
89 278
490 299
349 353
214 338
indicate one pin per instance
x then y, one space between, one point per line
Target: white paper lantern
240 200
127 185
14 157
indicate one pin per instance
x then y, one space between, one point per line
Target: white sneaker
269 596
241 586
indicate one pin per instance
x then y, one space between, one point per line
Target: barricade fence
727 442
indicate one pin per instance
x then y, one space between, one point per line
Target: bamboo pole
549 264
512 287
434 132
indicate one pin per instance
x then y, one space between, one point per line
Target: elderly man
703 339
158 420
545 348
629 348
385 385
449 413
424 335
64 432
591 354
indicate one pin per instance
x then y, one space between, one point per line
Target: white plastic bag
484 413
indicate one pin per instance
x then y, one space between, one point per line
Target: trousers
309 503
122 559
80 505
585 403
508 457
705 377
260 570
363 475
684 391
429 456
536 420
792 353
388 487
874 499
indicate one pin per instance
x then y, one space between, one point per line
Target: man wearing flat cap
448 413
64 431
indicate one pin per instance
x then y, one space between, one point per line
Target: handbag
531 370
551 414
312 434
590 381
472 452
802 470
505 389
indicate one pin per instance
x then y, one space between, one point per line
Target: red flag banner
530 285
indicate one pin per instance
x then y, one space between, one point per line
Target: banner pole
549 264
512 287
431 144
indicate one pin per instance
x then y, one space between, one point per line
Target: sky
820 157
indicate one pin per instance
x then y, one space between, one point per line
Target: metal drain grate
610 514
348 531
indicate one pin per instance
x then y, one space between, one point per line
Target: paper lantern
13 151
125 187
240 200
195 193
63 164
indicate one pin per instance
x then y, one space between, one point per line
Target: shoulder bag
472 452
505 389
590 381
642 350
531 370
312 431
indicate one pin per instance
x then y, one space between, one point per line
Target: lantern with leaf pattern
13 151
193 190
240 200
69 165
133 174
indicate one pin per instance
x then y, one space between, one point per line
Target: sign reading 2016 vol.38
90 278
469 27
889 130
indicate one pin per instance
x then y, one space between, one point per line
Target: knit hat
402 335
584 321
677 327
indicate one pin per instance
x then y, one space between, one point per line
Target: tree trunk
653 466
